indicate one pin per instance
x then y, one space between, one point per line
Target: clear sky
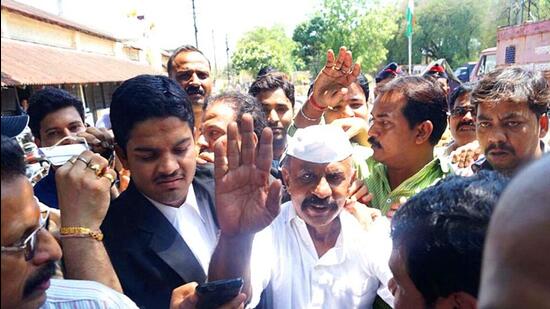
173 19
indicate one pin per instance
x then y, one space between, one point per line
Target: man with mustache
161 231
312 253
191 70
408 120
461 117
29 251
512 105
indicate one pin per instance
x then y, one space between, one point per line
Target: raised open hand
245 201
331 84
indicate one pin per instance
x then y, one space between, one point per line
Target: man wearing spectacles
462 151
461 117
29 251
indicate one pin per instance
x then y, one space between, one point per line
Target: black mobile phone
216 293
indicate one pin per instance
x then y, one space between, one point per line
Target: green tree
309 40
445 29
264 47
364 27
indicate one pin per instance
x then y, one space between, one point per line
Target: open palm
245 201
331 84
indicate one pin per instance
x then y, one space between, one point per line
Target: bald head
516 267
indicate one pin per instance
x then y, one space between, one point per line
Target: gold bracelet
78 231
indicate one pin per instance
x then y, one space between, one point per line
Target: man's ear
424 131
286 176
543 122
121 155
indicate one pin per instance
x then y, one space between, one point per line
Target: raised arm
329 87
245 201
83 187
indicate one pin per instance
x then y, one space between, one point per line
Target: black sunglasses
463 110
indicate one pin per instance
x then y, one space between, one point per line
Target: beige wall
19 27
94 44
27 29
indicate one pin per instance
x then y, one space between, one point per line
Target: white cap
320 144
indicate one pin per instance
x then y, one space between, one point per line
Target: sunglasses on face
28 246
461 111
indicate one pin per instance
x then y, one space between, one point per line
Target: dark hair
144 97
515 84
13 162
265 70
424 102
242 104
364 83
179 50
270 82
361 81
47 101
465 88
441 231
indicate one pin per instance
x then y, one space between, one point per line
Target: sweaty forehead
220 110
191 61
504 108
388 103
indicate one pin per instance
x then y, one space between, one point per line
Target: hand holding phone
216 293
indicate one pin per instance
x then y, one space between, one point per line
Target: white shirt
195 225
349 275
84 294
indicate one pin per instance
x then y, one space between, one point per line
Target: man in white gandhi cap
308 252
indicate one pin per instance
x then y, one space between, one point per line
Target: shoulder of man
84 294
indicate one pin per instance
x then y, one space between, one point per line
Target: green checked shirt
379 185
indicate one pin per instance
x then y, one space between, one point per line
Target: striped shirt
379 185
84 294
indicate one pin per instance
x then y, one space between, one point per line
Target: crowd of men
323 205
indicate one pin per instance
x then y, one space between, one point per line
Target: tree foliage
443 29
363 27
308 36
264 47
457 30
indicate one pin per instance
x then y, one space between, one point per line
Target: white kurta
347 276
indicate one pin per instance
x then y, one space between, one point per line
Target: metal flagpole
409 32
410 54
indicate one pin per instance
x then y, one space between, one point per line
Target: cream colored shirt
349 275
